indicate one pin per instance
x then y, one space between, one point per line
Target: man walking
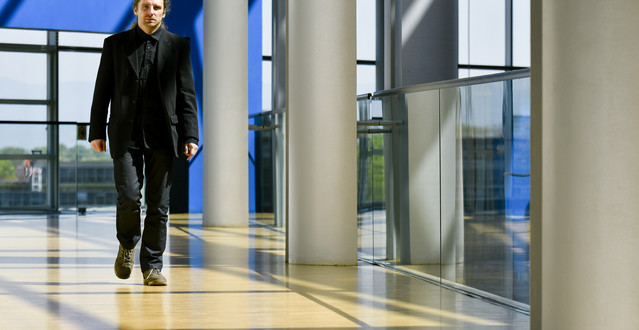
145 75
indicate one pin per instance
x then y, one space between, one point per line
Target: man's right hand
99 145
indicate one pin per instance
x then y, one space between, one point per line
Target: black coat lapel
131 52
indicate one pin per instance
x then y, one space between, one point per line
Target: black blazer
117 85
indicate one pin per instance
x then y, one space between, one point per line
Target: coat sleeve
102 94
186 102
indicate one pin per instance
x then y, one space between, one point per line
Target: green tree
13 151
7 170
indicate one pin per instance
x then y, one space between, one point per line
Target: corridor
56 272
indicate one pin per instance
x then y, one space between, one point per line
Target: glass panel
20 112
364 186
96 188
279 168
466 73
364 218
23 182
86 177
25 78
451 185
24 37
487 32
365 79
267 91
366 31
23 139
496 189
518 191
68 184
24 167
77 80
378 198
457 187
483 196
463 32
81 39
521 33
371 186
267 27
424 240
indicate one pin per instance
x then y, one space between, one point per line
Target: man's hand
189 150
99 145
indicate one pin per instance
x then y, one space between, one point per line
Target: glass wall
371 185
494 36
445 195
46 162
366 43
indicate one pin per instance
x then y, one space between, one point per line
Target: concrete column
322 123
585 177
426 46
225 113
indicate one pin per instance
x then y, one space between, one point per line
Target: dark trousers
130 171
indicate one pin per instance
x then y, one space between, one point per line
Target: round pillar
322 140
225 113
585 179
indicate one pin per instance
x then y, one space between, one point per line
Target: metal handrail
517 74
380 123
263 128
267 113
373 130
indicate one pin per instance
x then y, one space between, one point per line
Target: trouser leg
129 177
158 172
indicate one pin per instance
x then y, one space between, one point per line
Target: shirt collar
141 35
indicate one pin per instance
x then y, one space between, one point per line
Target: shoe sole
155 283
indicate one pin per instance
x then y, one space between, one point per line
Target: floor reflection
57 272
496 257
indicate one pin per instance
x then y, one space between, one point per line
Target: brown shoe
154 277
124 263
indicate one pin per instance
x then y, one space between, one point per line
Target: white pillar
585 196
322 122
225 113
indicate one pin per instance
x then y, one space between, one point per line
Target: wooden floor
56 272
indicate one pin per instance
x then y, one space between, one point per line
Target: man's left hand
189 150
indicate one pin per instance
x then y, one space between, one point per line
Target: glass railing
444 184
269 161
49 166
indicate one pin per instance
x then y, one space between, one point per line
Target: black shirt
149 118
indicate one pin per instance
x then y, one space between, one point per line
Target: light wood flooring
56 272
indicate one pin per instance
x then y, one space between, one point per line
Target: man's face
150 14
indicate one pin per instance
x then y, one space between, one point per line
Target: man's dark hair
167 9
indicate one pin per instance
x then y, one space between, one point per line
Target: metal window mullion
509 33
53 130
24 102
21 48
